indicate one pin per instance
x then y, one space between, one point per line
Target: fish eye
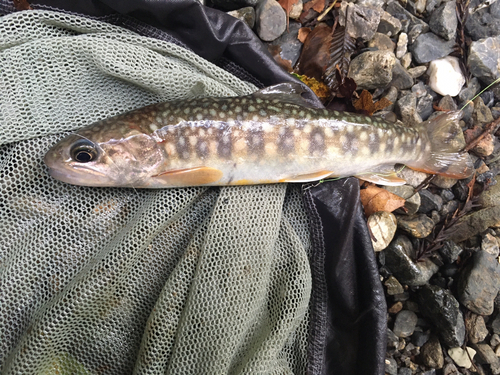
83 151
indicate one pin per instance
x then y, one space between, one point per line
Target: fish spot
317 142
224 107
202 149
153 127
187 111
183 148
212 112
255 141
251 108
286 141
259 100
239 145
290 121
224 146
363 136
255 118
329 132
267 127
325 112
222 114
237 109
263 113
374 142
192 140
273 108
270 149
307 129
350 146
199 117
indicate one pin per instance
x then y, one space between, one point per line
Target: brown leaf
345 86
315 54
366 105
22 5
376 199
287 6
275 52
303 33
317 5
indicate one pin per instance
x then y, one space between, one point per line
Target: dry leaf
376 199
317 5
315 53
22 5
287 6
275 51
366 105
303 33
341 48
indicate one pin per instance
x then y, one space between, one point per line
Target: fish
271 136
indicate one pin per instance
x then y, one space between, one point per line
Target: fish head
99 157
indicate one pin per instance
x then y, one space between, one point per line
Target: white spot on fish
349 128
266 127
237 109
170 148
290 121
181 141
186 111
153 127
222 114
201 132
212 112
192 140
263 113
255 118
307 129
210 131
282 130
251 108
270 149
329 132
363 136
258 100
296 132
239 145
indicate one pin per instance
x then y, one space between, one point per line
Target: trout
271 136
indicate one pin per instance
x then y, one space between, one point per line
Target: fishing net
117 281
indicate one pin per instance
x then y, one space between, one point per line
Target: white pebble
445 76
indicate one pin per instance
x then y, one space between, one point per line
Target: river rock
449 208
476 328
395 308
402 45
461 357
431 353
399 258
392 339
429 202
483 59
362 21
372 69
489 244
381 42
406 107
391 366
246 15
445 76
405 323
270 19
412 199
429 46
388 25
485 354
443 21
382 226
450 251
484 22
469 91
401 79
479 283
419 338
475 223
417 71
406 60
443 310
424 106
419 226
490 197
412 178
393 286
407 19
290 45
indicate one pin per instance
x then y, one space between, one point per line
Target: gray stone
447 195
495 325
405 371
290 45
475 223
462 357
469 91
417 71
490 197
424 106
270 19
450 251
429 202
371 3
419 338
392 96
431 353
362 21
483 60
382 226
450 369
381 42
447 103
481 114
495 340
372 69
429 46
412 199
388 24
419 226
246 15
476 329
391 367
399 257
234 4
489 244
401 79
479 283
405 323
485 354
449 208
402 45
406 60
443 310
393 286
412 178
405 17
415 31
419 89
406 107
482 24
443 21
296 10
392 339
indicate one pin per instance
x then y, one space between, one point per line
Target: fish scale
267 137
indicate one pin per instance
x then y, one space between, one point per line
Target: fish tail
445 156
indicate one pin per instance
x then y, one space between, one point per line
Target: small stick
488 129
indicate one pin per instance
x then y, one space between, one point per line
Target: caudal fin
445 157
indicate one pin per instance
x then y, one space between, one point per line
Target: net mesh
117 281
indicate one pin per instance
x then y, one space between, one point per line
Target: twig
488 129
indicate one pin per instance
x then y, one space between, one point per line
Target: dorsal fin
289 92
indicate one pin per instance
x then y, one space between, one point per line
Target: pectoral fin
189 177
387 179
308 177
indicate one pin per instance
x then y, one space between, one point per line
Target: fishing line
486 88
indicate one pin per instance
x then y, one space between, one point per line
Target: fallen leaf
346 86
22 5
275 52
366 105
376 199
317 5
287 6
315 53
303 33
342 46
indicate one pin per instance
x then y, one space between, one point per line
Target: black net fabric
238 280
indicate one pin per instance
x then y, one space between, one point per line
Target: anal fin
308 177
189 177
388 178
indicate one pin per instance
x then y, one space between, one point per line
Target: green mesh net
115 281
